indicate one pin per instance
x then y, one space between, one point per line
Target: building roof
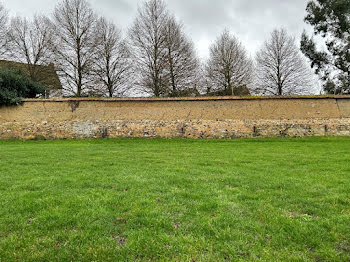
47 74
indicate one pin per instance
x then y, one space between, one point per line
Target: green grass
177 200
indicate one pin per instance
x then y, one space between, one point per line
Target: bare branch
30 43
112 67
228 67
280 68
182 64
3 30
147 40
75 44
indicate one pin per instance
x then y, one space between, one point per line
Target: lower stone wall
172 129
314 119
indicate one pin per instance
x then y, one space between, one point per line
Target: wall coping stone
176 99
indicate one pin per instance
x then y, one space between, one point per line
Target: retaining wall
224 117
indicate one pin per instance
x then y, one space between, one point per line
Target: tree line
156 58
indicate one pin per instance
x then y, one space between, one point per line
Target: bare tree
74 25
30 43
147 40
229 66
182 63
204 85
281 70
112 67
3 29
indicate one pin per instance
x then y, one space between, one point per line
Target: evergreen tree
15 85
331 20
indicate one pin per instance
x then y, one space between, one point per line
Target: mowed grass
175 200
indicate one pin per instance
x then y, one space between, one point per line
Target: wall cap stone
176 99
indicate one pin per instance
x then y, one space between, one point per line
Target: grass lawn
177 200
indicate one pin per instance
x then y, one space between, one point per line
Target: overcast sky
250 20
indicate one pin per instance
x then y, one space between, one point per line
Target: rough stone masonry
224 117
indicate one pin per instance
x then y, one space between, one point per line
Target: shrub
16 85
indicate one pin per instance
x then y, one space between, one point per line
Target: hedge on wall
15 85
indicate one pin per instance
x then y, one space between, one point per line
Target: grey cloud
250 20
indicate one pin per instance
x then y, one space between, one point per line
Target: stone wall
224 117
